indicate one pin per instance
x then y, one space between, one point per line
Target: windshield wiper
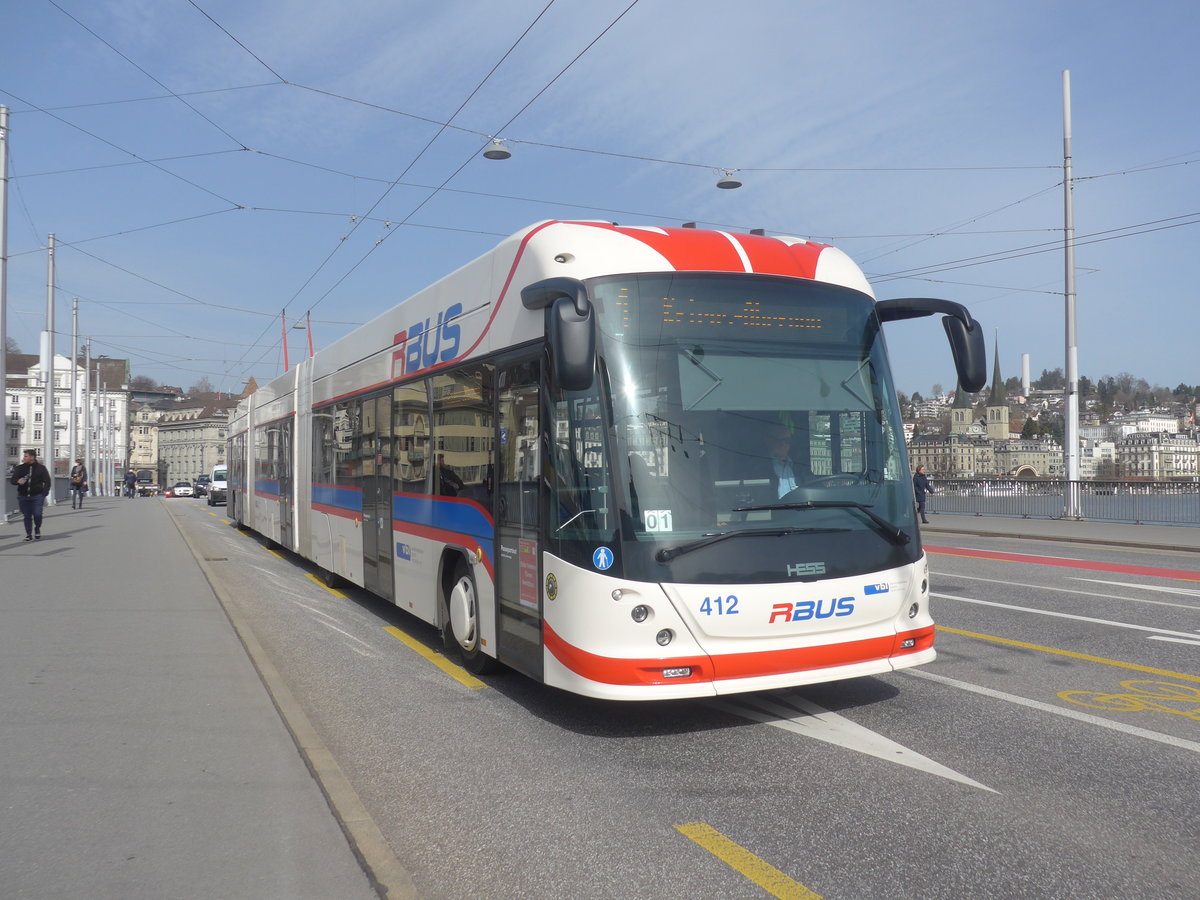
666 554
886 528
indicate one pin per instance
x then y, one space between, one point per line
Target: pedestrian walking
33 484
79 483
131 484
921 487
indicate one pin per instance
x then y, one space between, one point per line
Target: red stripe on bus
728 666
1180 574
771 256
411 529
686 249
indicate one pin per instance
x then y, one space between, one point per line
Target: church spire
998 397
997 404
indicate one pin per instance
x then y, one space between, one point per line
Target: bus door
283 468
377 495
517 480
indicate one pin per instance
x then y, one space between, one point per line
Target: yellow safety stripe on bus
458 673
737 857
1070 653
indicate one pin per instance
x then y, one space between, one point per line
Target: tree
1051 380
142 383
10 344
203 386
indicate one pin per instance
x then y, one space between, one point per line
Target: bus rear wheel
462 621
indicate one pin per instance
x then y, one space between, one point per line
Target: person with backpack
33 484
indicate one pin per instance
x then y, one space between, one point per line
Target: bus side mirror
570 329
962 331
572 338
970 356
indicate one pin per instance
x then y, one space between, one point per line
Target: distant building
191 438
27 418
1158 456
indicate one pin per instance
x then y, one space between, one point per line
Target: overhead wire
123 56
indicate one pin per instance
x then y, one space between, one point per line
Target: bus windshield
755 433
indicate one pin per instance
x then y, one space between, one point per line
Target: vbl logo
808 609
426 343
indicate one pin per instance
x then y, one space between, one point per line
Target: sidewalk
1157 537
140 754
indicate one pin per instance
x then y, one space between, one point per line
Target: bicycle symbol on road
1142 696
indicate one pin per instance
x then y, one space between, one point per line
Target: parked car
182 489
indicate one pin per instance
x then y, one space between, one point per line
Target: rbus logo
427 343
808 609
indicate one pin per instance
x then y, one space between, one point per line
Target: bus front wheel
462 621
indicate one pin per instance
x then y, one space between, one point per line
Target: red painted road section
1180 574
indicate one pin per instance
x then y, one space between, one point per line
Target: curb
387 875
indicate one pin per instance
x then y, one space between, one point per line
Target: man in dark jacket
921 487
33 484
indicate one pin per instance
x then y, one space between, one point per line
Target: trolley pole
1071 509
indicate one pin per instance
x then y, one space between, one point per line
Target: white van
218 485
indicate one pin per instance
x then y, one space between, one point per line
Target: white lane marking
1187 592
1059 615
1195 642
1059 590
1046 707
801 716
368 652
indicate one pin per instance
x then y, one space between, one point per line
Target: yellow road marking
333 591
737 857
458 673
1070 653
273 552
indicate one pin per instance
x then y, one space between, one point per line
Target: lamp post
1071 506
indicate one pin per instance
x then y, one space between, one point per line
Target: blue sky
205 165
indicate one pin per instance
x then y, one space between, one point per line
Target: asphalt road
1053 750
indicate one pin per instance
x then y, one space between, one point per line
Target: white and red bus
629 462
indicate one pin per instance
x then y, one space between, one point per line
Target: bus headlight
665 637
640 613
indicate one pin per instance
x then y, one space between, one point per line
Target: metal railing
1136 502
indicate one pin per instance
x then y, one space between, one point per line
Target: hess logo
427 343
804 610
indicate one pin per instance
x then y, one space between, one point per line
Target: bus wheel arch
460 615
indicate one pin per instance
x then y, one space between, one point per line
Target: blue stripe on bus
342 498
266 486
444 513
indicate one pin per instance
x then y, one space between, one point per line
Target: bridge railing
1142 502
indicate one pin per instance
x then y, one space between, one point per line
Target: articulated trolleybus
629 462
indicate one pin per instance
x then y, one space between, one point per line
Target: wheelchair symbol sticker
602 558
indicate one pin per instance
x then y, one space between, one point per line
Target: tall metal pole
48 373
102 421
4 294
74 439
93 471
1071 406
